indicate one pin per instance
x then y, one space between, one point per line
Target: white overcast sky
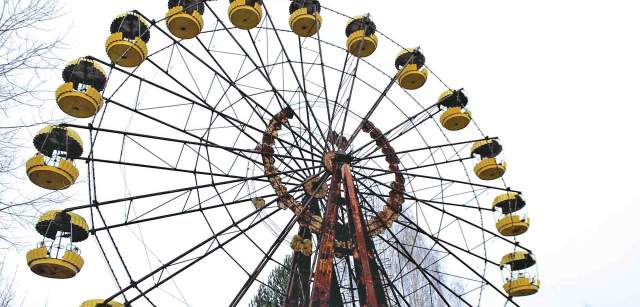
555 80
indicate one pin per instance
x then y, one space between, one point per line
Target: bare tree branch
7 290
26 49
27 55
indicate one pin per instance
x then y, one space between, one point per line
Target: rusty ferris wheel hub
333 158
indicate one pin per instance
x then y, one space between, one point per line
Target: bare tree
27 55
7 291
418 290
25 49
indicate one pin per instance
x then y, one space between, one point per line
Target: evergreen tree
272 294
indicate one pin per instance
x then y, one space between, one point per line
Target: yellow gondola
304 17
51 259
361 36
245 14
509 202
46 265
488 168
512 225
512 221
184 18
455 117
80 94
52 167
70 224
51 175
52 139
100 303
518 260
127 44
489 148
411 74
522 286
520 282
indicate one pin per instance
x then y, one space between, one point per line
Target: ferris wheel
217 142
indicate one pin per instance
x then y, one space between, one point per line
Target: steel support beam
370 287
321 294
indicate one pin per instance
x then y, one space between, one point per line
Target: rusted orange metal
321 294
366 280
